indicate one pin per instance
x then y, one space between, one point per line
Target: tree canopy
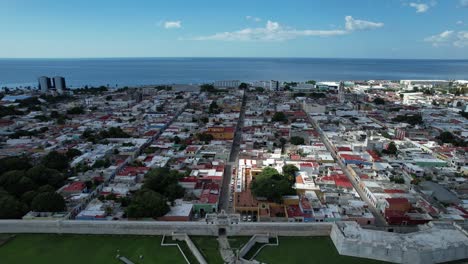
55 160
391 149
147 203
271 185
289 171
77 110
297 140
205 137
279 117
10 207
410 119
165 182
447 137
48 202
21 183
379 101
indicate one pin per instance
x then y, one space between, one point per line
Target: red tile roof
394 191
75 187
351 157
344 149
397 201
133 171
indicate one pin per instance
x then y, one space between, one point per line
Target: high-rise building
44 84
227 84
59 84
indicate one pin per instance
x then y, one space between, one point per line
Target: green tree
176 140
27 197
72 153
214 108
391 149
160 178
14 163
55 160
45 188
297 140
205 137
379 101
271 185
10 207
77 110
289 171
208 88
243 86
48 202
147 203
259 89
42 175
174 191
16 183
279 117
447 137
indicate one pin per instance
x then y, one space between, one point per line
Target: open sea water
118 72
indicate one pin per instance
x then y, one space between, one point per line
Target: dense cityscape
370 155
234 132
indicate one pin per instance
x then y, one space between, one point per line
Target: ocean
119 72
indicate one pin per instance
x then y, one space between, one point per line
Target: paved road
224 203
379 219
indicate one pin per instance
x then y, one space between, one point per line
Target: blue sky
241 28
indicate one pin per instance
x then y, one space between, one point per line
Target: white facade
227 84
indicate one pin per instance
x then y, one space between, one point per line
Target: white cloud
420 8
273 31
355 24
464 3
459 22
256 19
449 37
462 39
172 24
440 39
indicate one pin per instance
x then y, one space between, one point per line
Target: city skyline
336 29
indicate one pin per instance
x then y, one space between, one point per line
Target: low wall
161 228
254 239
280 229
196 253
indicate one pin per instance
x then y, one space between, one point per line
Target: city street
379 219
224 203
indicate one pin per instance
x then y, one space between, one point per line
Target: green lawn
209 247
191 258
312 250
86 249
238 242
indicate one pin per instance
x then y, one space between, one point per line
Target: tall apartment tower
44 84
59 84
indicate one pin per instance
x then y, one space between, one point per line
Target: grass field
238 242
311 250
209 248
86 249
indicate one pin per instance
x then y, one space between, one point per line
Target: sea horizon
139 71
226 57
